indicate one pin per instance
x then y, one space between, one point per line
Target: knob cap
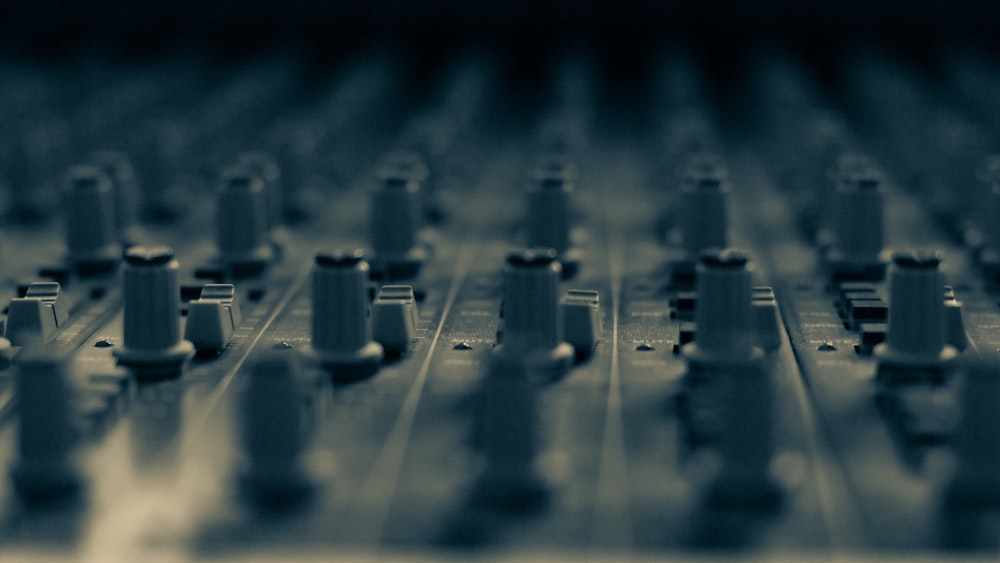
242 232
395 223
341 315
272 433
44 469
532 316
91 231
152 331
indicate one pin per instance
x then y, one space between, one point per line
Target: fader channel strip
272 313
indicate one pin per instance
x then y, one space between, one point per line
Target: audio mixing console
375 310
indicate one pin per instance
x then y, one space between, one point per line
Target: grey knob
858 218
916 328
91 231
979 438
243 235
724 312
271 431
265 167
703 221
532 316
152 329
341 314
971 497
395 212
44 469
747 445
548 199
118 168
508 437
991 234
989 256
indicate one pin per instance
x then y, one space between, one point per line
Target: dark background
236 26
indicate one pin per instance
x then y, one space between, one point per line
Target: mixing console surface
278 312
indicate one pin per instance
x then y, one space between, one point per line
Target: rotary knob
532 316
91 232
508 437
119 170
857 225
976 482
271 431
746 443
915 338
263 166
549 217
44 469
152 331
724 313
341 315
395 224
242 231
704 222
